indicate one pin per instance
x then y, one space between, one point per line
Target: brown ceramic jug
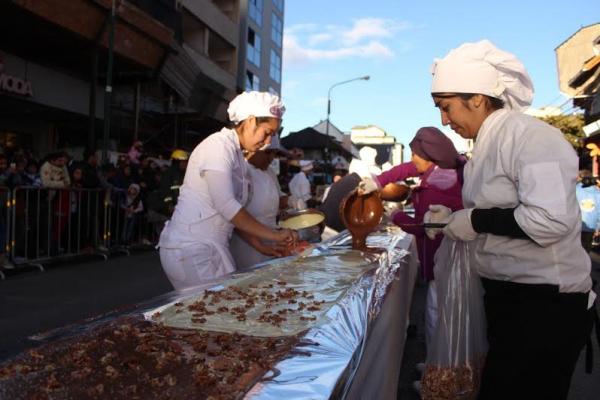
361 215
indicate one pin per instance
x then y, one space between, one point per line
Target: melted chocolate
361 215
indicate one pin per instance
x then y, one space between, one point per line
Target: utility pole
108 87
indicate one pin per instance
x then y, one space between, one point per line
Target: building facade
578 61
261 45
176 66
388 149
53 77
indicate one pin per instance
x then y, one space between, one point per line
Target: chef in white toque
194 245
522 222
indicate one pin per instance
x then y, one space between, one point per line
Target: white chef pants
190 266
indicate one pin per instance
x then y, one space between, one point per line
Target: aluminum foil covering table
354 350
357 353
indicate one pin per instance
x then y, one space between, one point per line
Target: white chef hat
258 104
306 165
367 156
363 170
483 68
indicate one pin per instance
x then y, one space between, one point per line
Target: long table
355 349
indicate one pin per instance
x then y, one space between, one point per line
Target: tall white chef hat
367 156
483 68
258 104
362 169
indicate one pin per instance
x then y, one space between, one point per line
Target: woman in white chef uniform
522 222
248 250
194 245
300 186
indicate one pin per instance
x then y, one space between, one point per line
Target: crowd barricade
39 225
5 225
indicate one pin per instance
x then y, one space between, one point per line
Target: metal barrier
5 225
43 224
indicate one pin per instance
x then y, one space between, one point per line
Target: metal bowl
395 192
309 223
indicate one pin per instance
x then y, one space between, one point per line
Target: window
279 5
273 91
253 47
276 29
255 10
252 82
275 70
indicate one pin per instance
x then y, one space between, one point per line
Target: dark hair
589 181
494 103
259 120
87 153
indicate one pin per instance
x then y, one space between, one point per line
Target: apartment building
224 48
261 41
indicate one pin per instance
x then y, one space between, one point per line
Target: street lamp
362 78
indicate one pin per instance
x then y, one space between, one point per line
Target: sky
395 42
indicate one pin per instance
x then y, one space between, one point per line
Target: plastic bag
458 347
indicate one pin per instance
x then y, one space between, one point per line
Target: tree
571 126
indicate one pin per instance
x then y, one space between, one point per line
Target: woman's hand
459 226
437 214
275 249
286 237
367 185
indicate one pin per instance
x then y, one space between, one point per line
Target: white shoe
417 385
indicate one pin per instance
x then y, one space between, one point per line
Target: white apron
264 206
194 245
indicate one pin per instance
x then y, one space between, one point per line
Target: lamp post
327 154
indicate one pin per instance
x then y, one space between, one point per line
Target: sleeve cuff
229 209
497 221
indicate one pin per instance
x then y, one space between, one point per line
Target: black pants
535 335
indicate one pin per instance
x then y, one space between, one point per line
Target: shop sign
14 84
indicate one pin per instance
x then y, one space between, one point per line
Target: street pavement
32 302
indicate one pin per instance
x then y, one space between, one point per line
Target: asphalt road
32 302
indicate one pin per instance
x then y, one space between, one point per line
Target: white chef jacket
264 206
300 190
520 161
196 221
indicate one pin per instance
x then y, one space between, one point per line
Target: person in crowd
132 208
147 172
337 175
55 175
522 223
172 179
9 176
438 166
124 177
135 152
248 250
588 197
89 167
107 176
31 176
77 207
194 245
300 191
